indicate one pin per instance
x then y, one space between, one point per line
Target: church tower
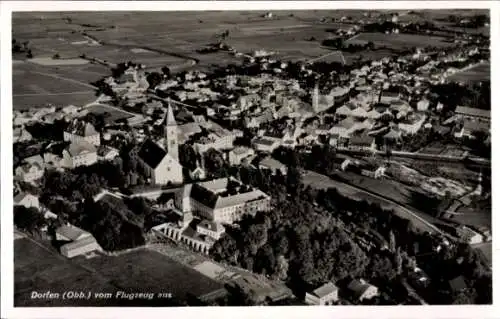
171 134
315 98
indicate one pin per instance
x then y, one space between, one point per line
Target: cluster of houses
358 290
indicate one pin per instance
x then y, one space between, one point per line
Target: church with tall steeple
160 160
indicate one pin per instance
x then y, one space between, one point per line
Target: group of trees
477 95
29 220
21 47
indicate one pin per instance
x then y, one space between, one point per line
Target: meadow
399 41
40 268
477 73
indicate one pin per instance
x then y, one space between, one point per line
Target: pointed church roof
170 120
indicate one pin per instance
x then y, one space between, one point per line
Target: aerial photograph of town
251 158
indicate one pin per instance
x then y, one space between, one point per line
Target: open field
35 85
41 269
112 114
399 41
480 72
438 148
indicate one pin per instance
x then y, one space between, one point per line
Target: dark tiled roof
203 196
151 153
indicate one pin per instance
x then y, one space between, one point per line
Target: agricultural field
39 268
477 73
438 148
399 41
35 85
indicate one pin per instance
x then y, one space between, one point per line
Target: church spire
170 120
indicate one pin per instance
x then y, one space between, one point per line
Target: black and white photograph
260 157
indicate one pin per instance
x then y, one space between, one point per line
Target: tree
28 219
392 241
153 78
165 71
56 56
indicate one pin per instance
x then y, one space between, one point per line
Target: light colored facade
266 144
361 290
81 131
29 172
211 229
210 200
238 154
160 163
79 154
80 242
322 296
27 200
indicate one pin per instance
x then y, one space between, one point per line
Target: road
321 181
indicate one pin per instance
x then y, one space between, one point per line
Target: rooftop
81 147
151 153
71 232
81 128
325 290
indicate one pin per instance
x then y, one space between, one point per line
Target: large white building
322 296
81 131
160 163
222 200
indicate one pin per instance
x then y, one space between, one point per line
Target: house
266 144
106 153
79 130
343 128
412 124
473 113
79 153
388 97
80 242
423 105
327 294
29 172
238 154
70 109
223 200
210 228
21 135
345 110
362 143
198 174
27 200
161 162
469 235
272 165
361 290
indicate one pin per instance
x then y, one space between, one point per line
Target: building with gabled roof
29 172
26 199
361 290
160 161
80 153
79 130
326 294
79 241
223 200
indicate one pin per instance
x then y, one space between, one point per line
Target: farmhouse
80 153
80 242
361 290
327 294
81 131
223 200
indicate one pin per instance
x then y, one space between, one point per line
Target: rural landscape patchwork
230 158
